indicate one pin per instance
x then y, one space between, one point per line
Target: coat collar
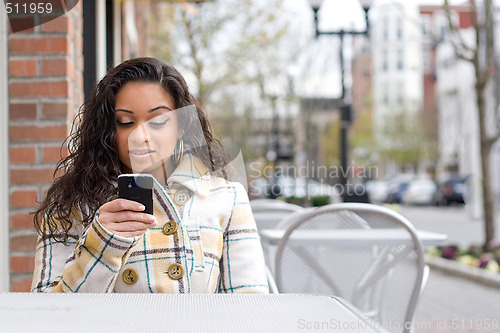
193 174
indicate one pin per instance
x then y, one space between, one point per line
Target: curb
471 273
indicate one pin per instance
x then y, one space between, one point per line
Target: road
452 304
455 221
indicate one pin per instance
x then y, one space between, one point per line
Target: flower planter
460 269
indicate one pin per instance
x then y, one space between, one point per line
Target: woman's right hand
125 218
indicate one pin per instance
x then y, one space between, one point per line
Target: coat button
169 228
129 276
175 271
181 197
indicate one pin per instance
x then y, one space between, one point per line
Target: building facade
459 137
397 78
435 32
45 88
46 70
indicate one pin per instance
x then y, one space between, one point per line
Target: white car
377 190
302 187
419 192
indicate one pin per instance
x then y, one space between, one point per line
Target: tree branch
459 47
483 77
488 26
454 30
198 63
491 141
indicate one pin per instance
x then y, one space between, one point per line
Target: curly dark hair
91 169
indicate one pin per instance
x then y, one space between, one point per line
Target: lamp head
366 4
315 4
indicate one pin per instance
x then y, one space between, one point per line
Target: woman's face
146 128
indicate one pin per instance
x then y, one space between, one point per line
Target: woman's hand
125 218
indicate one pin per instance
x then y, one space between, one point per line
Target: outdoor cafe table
31 312
359 237
342 238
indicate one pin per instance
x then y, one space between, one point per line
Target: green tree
331 143
405 142
361 138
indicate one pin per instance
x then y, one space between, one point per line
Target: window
385 29
442 25
385 61
427 60
399 28
400 60
426 25
400 96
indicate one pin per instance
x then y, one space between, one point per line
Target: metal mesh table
350 237
29 312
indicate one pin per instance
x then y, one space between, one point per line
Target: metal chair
273 288
268 212
366 254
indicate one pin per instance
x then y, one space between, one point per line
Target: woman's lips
141 154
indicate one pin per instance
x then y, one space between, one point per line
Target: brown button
181 197
169 228
129 276
175 271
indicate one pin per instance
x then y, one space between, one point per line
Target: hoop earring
178 151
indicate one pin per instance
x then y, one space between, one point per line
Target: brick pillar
45 91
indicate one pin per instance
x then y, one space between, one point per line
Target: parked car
397 186
450 189
396 190
377 190
419 192
289 187
306 188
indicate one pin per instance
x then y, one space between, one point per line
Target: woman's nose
139 135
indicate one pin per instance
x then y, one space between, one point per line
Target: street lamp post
275 190
346 107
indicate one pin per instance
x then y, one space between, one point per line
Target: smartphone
137 187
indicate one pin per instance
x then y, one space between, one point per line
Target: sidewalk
453 221
455 304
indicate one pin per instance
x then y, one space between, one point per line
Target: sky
320 73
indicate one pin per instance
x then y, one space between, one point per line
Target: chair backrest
366 254
268 212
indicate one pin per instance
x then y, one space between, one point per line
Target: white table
345 237
29 312
310 239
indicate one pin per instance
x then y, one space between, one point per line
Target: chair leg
425 277
273 288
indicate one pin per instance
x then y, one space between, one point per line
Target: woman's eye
124 123
158 123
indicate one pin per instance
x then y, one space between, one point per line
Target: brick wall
45 90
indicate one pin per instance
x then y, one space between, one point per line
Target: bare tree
222 43
481 56
237 53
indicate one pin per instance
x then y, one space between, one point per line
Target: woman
201 237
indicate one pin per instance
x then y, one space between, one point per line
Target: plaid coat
216 245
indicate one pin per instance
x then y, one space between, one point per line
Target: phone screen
137 187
